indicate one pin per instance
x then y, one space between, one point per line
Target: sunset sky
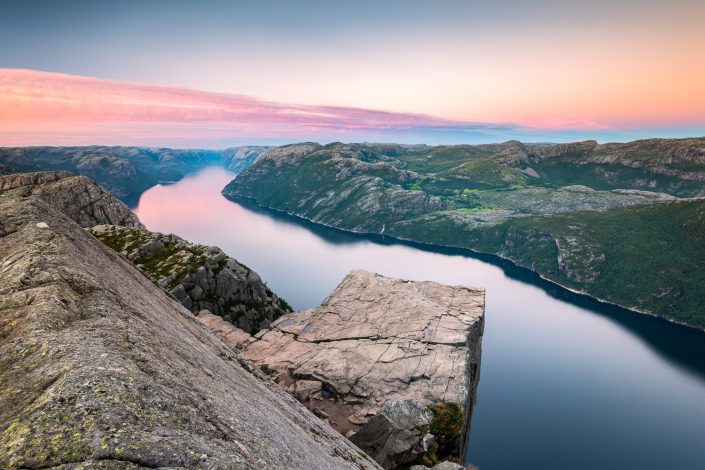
219 73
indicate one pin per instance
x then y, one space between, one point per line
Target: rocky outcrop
200 277
375 340
225 331
76 196
99 368
398 435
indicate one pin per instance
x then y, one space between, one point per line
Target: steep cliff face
237 159
200 277
76 196
334 185
99 368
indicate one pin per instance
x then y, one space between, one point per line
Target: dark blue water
566 383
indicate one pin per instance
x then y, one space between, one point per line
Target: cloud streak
43 108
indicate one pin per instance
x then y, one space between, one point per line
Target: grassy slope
653 254
636 250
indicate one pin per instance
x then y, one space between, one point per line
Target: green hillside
621 222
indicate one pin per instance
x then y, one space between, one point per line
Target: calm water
566 383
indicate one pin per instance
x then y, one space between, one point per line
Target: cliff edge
376 342
99 368
76 196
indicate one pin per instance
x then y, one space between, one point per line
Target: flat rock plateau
375 340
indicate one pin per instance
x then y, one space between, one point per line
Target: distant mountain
621 222
124 171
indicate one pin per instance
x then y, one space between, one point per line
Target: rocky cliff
76 196
377 340
99 368
237 159
200 277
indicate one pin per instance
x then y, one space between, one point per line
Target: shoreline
494 259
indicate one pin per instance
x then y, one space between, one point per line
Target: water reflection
566 382
684 346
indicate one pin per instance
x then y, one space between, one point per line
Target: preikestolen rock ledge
376 341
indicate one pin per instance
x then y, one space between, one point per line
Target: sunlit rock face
76 196
375 340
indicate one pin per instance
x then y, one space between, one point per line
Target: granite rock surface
375 340
76 196
200 277
100 368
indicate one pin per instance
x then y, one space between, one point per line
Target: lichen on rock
100 368
200 277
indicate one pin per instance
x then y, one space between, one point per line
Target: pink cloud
35 104
44 108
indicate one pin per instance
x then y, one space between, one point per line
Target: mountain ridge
554 224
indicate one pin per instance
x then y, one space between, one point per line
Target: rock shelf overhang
375 340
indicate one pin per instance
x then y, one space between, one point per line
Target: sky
225 72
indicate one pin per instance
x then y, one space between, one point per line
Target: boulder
397 435
446 465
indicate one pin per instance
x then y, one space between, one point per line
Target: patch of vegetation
634 249
446 425
448 419
168 258
430 457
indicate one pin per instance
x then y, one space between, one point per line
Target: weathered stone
447 466
99 368
375 340
396 435
226 332
200 277
76 196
